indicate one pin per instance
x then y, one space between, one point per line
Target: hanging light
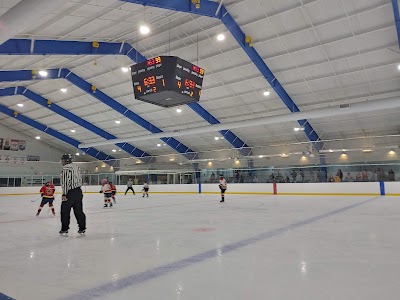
43 73
144 29
221 37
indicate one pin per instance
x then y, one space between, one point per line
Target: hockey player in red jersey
222 187
106 190
113 191
47 193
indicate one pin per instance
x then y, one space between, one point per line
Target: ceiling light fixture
43 73
216 138
113 150
64 90
118 122
221 37
144 29
77 154
38 137
125 69
299 129
72 130
398 67
178 110
267 93
158 145
20 104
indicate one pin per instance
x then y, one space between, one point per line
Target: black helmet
67 158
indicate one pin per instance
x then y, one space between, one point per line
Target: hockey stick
36 199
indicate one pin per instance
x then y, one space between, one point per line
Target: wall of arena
316 189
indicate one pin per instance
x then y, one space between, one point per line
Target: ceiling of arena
324 53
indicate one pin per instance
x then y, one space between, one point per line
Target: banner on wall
7 144
12 144
21 145
12 159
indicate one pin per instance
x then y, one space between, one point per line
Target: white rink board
344 188
333 188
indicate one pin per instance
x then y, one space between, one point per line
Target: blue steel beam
62 137
43 47
396 12
147 158
209 9
24 75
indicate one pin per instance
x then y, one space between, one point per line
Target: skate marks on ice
136 279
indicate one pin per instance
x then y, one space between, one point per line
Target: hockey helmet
66 159
104 181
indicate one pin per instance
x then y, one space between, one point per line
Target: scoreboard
167 81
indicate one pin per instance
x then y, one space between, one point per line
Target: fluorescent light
72 130
267 93
260 156
113 150
216 138
43 73
118 122
64 90
20 104
77 154
38 137
299 129
125 69
367 150
178 110
330 150
221 37
172 159
144 29
119 150
158 145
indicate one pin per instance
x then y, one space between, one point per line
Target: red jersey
113 188
48 191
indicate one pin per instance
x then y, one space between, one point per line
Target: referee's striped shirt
71 178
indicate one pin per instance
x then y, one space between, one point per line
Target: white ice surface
347 254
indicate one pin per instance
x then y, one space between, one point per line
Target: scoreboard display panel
167 81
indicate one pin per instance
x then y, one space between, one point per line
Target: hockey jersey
222 183
106 189
113 188
48 191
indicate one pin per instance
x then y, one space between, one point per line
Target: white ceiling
324 52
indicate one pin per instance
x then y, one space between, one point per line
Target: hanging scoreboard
167 81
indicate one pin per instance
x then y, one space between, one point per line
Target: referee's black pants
130 188
74 200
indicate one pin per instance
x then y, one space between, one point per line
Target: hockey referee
71 182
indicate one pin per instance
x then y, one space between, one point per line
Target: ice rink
193 247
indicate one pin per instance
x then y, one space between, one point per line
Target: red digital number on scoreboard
190 84
149 80
153 61
198 70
